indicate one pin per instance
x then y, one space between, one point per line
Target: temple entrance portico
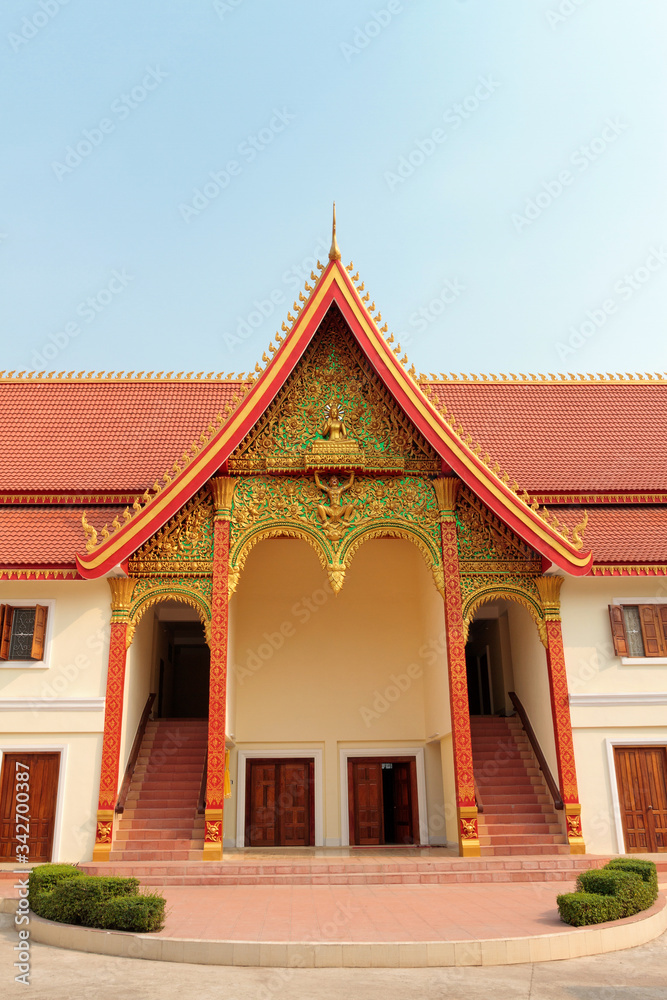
318 530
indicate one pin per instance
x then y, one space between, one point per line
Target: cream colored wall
353 670
79 641
531 679
76 669
138 683
593 669
589 653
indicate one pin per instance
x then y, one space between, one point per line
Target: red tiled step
542 868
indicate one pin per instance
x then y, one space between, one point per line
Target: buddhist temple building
332 602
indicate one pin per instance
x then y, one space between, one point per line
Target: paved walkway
329 913
58 974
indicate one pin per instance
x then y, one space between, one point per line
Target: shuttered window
22 632
639 629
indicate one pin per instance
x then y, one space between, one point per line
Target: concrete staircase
519 816
160 822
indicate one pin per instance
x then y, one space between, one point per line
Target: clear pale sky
497 164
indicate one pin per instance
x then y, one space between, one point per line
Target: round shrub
582 908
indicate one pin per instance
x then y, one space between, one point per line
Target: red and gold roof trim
459 456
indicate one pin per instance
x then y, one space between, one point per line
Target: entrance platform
364 910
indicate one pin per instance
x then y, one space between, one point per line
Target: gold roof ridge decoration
573 377
121 376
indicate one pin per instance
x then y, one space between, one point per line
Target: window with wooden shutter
37 651
6 631
651 630
618 630
22 632
662 617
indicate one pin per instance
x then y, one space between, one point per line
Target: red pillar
549 588
466 808
121 596
223 492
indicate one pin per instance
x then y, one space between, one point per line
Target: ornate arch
510 592
277 529
425 543
167 590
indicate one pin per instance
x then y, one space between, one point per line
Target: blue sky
498 169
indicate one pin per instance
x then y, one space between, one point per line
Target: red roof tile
562 437
100 435
39 536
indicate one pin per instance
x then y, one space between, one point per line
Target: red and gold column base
103 835
469 846
575 837
213 835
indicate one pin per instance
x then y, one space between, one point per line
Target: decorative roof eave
39 573
335 285
629 569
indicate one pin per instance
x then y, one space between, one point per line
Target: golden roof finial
334 253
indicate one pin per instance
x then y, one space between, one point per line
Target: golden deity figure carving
334 429
335 518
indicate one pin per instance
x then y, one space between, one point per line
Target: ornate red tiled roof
46 536
622 534
567 436
51 535
120 434
100 434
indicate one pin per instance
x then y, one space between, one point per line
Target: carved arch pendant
519 593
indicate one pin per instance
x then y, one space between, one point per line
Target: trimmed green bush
581 908
66 895
141 913
44 878
77 901
639 866
628 888
623 887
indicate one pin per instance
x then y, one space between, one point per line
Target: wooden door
403 830
641 774
293 803
28 780
366 802
280 803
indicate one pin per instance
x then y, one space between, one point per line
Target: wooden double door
382 801
641 773
280 802
28 796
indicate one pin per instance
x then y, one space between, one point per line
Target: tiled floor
363 913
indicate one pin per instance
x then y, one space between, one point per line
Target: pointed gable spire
334 253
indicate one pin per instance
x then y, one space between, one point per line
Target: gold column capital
222 490
549 591
446 491
121 588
